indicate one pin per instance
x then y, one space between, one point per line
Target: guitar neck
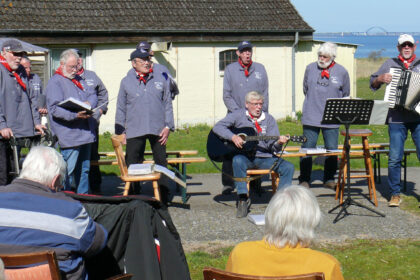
261 138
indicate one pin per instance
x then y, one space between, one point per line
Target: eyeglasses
323 56
73 67
407 44
143 60
256 104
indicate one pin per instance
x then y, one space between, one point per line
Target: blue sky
359 15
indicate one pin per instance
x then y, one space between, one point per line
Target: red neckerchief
407 62
246 67
7 66
59 71
257 125
143 77
80 72
326 72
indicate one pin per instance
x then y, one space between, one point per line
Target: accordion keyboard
391 88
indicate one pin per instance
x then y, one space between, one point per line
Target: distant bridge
371 31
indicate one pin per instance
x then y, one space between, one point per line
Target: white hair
328 48
42 164
253 95
291 217
65 55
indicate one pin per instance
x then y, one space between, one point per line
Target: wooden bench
377 149
256 172
376 155
179 163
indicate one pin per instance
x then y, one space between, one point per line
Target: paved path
210 217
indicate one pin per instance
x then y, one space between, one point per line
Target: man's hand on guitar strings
238 141
283 139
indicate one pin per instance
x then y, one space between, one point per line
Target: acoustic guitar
219 149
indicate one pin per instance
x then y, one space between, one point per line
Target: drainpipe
294 46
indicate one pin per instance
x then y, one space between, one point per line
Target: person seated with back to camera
290 220
264 124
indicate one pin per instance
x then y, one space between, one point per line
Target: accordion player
404 90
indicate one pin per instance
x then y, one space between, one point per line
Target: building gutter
294 46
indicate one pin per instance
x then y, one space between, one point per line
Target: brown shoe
331 184
395 201
305 184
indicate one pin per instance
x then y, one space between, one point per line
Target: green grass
360 259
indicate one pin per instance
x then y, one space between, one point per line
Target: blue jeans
78 165
331 143
241 163
397 136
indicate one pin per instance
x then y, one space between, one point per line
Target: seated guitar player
262 156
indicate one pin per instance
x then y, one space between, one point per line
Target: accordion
404 90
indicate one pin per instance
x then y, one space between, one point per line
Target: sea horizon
382 45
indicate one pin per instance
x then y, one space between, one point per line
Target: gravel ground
209 217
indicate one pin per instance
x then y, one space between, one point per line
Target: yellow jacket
259 258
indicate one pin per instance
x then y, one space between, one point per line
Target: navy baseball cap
143 45
13 45
78 52
139 53
244 45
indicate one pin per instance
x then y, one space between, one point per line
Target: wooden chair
31 266
211 273
117 142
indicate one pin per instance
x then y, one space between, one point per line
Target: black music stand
347 112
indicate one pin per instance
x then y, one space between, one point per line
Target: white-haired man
75 130
241 77
35 217
263 124
323 79
92 82
290 221
400 120
18 105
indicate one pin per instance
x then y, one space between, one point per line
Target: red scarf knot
407 62
143 77
326 73
246 67
18 78
257 125
59 71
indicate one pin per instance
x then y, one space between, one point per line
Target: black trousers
135 154
5 162
95 179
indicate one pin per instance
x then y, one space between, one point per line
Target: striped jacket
35 218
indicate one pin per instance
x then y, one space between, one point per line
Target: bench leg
184 178
126 188
156 190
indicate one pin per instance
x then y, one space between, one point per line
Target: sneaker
305 184
242 211
227 190
331 184
395 201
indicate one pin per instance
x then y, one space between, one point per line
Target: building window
226 58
